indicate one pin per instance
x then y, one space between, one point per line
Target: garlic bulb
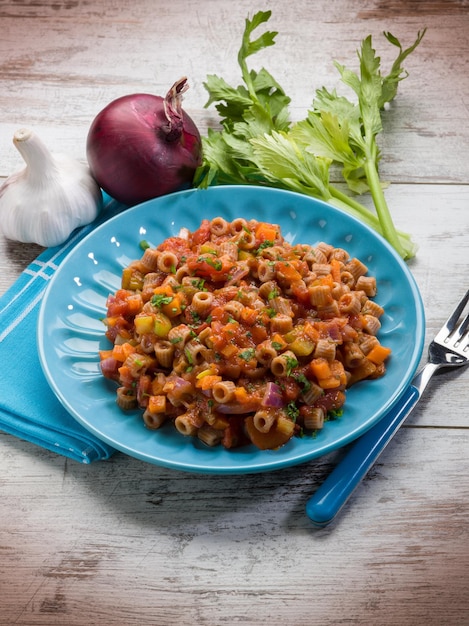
49 198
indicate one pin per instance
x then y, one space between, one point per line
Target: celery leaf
258 144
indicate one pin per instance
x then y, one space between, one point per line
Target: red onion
180 388
236 408
273 396
109 367
142 146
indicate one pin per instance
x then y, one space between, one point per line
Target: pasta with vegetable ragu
237 336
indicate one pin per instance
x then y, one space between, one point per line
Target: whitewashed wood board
62 62
129 543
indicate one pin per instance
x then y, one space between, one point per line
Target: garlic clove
51 197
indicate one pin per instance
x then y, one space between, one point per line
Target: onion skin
109 368
273 396
142 146
236 408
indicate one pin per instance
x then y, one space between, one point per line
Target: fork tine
461 330
456 314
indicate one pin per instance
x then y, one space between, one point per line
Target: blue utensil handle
331 496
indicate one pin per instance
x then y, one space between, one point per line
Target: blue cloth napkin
28 407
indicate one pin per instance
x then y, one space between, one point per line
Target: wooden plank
128 543
54 82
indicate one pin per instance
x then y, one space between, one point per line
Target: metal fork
449 348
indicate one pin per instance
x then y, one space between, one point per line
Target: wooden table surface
125 543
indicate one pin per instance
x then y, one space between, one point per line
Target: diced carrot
310 331
163 290
288 271
217 313
248 315
277 338
320 368
207 382
121 294
112 321
230 330
327 280
118 353
105 354
229 350
157 404
135 303
241 395
266 232
331 382
128 349
125 374
174 308
378 354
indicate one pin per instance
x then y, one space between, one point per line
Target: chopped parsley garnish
303 381
159 299
199 283
215 263
334 414
265 244
189 357
247 354
291 364
292 411
195 318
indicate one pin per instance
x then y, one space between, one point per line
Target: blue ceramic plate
70 332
